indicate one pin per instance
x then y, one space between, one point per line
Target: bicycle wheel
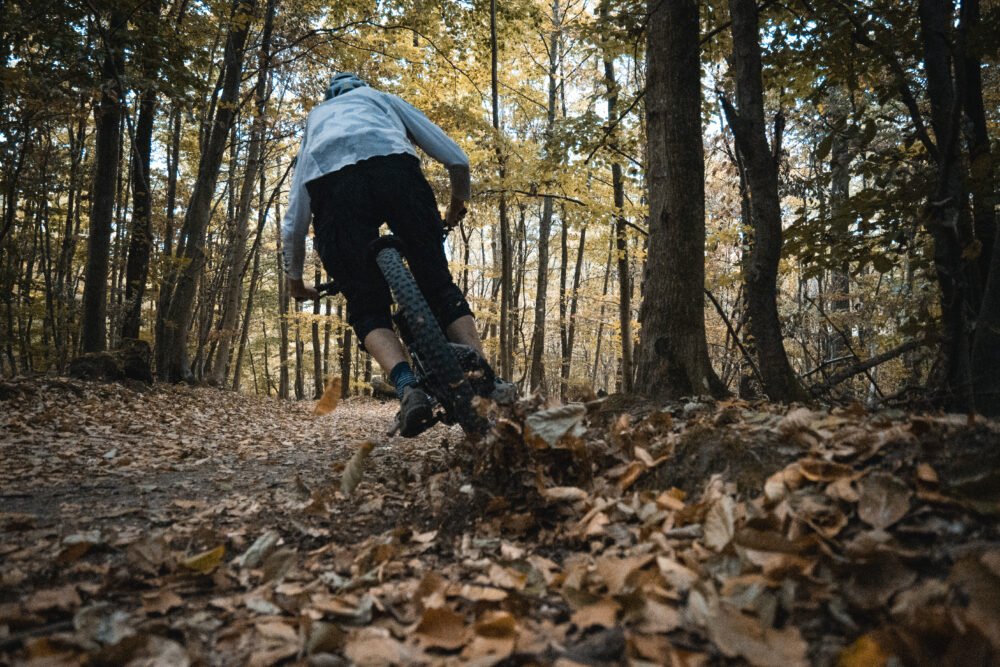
445 378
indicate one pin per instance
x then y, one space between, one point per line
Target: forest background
787 198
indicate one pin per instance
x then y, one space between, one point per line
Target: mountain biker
357 168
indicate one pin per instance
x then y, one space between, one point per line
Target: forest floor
178 525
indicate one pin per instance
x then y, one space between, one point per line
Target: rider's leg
382 344
463 330
385 347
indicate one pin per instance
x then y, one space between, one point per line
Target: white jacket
354 126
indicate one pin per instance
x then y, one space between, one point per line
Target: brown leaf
819 470
603 613
64 598
374 646
330 398
546 428
442 628
719 524
566 494
884 500
617 572
739 635
160 602
497 624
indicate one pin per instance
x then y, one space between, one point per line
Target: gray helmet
341 83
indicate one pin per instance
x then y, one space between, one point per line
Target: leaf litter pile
178 526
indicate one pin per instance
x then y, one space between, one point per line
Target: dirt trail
176 525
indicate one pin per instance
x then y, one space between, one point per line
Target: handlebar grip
328 288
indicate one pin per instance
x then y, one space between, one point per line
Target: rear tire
445 378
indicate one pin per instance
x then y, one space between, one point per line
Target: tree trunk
537 378
93 332
621 236
747 123
167 278
947 205
673 354
182 301
506 291
141 239
237 268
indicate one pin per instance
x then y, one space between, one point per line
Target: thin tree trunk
93 332
621 236
747 123
600 318
537 378
167 278
141 239
237 269
182 301
506 284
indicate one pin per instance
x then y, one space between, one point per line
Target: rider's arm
438 145
295 224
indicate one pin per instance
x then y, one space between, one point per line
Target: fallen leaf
739 635
884 500
160 602
65 598
568 494
603 613
617 572
442 628
719 524
206 561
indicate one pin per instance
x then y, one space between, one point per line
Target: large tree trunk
673 353
761 279
986 345
93 332
947 206
141 239
182 301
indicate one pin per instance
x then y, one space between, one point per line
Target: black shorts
348 207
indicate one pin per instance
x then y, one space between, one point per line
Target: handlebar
330 287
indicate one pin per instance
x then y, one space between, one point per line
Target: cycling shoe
504 393
415 413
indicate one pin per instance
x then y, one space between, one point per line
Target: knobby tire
445 378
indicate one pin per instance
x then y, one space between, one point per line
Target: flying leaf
546 428
355 468
330 398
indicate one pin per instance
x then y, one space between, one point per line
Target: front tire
445 378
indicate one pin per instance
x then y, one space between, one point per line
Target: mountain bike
451 374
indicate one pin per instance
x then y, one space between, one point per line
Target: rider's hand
299 290
456 211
